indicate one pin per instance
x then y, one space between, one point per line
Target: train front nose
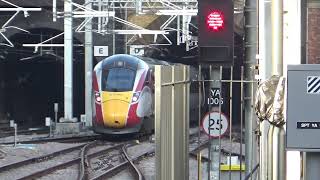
115 113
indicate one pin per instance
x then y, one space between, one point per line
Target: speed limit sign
215 124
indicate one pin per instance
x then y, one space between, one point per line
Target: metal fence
226 144
229 96
172 122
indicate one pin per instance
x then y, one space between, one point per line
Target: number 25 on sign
215 124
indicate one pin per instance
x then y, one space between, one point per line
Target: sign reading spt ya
215 124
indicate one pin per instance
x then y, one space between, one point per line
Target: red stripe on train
99 117
141 81
133 119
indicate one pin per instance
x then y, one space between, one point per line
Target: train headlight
135 97
97 97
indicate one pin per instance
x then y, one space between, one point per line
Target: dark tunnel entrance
33 82
30 83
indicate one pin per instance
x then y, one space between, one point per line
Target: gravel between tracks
25 170
70 173
23 137
146 165
28 151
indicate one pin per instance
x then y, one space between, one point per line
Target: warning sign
215 124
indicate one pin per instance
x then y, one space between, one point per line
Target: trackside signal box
303 108
215 24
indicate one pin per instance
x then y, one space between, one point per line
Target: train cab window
118 79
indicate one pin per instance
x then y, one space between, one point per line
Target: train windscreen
118 79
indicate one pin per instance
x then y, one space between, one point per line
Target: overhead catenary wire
45 10
75 19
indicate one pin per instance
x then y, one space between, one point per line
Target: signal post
216 50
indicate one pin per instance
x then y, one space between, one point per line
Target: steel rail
6 133
68 163
39 158
60 139
137 171
114 170
118 168
83 173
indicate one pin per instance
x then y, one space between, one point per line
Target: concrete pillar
68 63
88 70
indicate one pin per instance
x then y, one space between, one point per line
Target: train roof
152 61
134 59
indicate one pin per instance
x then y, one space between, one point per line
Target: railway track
10 132
69 163
108 165
79 156
18 170
69 157
73 139
130 161
93 160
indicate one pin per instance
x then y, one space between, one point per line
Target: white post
56 109
48 123
68 62
15 134
88 69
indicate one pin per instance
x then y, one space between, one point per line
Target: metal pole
186 117
184 28
54 10
264 128
241 117
278 155
270 152
278 134
199 116
214 145
50 128
230 110
178 30
265 67
199 166
56 109
15 134
251 37
113 36
100 18
220 99
68 57
265 70
126 36
277 36
88 69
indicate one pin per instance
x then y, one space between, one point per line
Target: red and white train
124 94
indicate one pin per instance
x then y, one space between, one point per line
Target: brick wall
313 39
